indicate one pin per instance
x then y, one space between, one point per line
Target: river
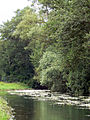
29 108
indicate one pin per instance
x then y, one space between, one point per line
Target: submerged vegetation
49 48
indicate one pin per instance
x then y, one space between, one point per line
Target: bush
50 72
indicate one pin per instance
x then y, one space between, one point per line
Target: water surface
27 108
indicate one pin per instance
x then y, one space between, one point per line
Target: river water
27 108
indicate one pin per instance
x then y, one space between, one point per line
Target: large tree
68 28
15 63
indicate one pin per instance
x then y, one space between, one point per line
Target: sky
7 8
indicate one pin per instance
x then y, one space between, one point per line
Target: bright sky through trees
7 8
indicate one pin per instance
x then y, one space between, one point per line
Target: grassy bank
5 110
13 86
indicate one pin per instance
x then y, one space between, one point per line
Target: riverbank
13 86
5 110
60 99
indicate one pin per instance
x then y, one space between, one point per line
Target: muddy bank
60 99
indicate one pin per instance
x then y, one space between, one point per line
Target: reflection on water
26 108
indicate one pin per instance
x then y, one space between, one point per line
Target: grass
13 86
5 110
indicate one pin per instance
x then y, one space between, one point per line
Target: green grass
13 86
5 110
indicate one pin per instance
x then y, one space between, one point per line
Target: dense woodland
48 48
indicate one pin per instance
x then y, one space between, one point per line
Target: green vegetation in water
13 86
5 110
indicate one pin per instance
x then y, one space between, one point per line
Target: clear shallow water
26 108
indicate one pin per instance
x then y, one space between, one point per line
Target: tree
67 28
15 62
50 71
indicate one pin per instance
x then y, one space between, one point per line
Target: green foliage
50 71
29 31
5 110
28 22
15 63
68 29
53 49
